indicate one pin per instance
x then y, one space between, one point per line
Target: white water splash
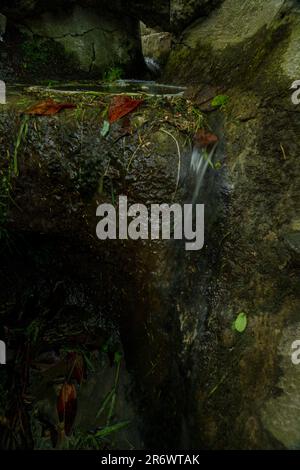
200 161
153 65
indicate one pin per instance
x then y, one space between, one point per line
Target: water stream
200 162
153 66
130 87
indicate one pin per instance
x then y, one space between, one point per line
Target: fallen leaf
67 406
121 106
48 108
240 323
204 139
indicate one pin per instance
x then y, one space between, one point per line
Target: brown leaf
121 106
48 108
204 139
67 406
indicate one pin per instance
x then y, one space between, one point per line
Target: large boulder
95 41
84 39
166 14
71 42
92 288
183 13
246 56
156 46
210 50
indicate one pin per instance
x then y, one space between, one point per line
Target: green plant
34 55
240 324
47 58
113 74
100 438
207 157
199 118
220 101
32 331
110 399
97 440
22 134
9 170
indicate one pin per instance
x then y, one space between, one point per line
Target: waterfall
200 161
153 65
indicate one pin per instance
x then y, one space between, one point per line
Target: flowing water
130 87
153 66
200 162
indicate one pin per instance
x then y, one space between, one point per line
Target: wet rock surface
64 39
157 46
74 41
188 373
165 14
258 270
121 295
94 41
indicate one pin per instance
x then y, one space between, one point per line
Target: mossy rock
47 57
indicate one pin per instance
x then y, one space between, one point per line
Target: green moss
203 63
47 58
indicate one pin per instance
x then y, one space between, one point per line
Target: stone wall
96 41
166 14
73 42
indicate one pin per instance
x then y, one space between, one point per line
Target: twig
283 152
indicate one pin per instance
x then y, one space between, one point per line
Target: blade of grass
111 429
105 402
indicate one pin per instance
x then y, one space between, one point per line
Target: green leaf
110 429
118 357
240 323
88 362
105 129
105 402
220 101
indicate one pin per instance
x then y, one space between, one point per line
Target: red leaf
67 406
48 108
204 139
121 106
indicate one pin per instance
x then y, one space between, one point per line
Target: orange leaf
204 139
48 108
67 406
121 106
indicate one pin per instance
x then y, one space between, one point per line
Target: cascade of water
200 161
153 65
